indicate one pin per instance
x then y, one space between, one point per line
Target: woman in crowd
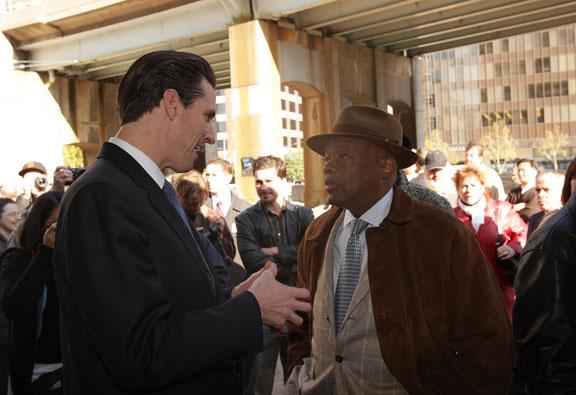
9 218
192 192
29 298
499 230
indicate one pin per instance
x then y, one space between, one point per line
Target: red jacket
500 218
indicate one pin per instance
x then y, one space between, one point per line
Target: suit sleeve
124 308
480 338
252 256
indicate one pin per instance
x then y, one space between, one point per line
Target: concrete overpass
335 52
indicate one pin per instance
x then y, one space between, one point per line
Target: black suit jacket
138 314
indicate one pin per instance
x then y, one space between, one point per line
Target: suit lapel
159 201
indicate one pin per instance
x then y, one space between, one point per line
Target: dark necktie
170 193
349 272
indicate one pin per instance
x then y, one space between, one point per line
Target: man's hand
244 285
519 206
272 251
214 218
505 252
279 303
62 176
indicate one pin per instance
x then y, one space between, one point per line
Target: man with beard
141 310
271 230
403 298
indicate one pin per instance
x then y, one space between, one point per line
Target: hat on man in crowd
368 124
32 166
435 160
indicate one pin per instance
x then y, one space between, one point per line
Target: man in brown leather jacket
406 304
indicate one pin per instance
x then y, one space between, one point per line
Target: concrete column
255 83
418 100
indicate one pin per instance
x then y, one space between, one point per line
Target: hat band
361 132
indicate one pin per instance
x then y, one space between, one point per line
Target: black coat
138 314
545 310
23 277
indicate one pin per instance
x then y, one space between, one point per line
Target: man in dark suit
223 200
141 310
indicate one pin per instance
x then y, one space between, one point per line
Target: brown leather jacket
441 323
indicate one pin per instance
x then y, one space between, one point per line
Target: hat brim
24 171
404 157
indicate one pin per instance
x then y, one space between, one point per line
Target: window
489 48
564 85
545 39
432 100
504 45
220 108
539 115
482 49
538 65
531 91
539 92
284 123
505 69
220 145
293 124
497 70
293 142
546 64
547 89
285 141
283 104
292 106
522 67
561 38
508 117
484 95
220 127
507 95
523 116
556 88
432 123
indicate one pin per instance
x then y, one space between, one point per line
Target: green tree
499 145
554 145
295 167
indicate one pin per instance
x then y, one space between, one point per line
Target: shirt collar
375 214
143 160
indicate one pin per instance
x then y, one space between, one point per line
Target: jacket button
339 358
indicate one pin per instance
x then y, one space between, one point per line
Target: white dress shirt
374 216
225 201
143 160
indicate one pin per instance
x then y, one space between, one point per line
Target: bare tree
435 141
499 145
554 145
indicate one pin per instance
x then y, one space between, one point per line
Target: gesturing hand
244 285
279 303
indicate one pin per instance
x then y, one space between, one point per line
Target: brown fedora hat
369 124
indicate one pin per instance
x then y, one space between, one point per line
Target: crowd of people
143 275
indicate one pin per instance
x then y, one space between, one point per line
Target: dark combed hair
34 224
150 76
472 144
532 162
224 164
569 176
4 202
268 162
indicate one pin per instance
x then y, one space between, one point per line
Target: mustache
329 180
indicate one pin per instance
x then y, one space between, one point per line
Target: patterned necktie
170 193
349 272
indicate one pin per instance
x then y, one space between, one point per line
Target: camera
212 232
40 183
76 172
